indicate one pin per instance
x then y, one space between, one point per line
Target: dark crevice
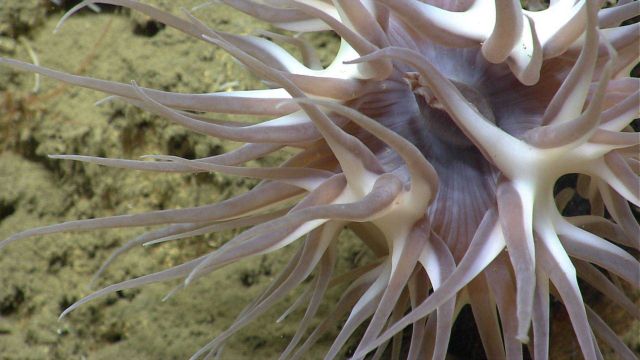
149 28
465 340
65 302
179 145
11 301
57 262
577 205
114 333
6 209
56 7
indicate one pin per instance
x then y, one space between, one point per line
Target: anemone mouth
439 122
438 144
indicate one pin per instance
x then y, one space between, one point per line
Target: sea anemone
437 135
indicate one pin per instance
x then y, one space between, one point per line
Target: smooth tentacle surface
437 134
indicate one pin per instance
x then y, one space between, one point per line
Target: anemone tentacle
437 135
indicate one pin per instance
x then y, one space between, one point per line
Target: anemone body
437 135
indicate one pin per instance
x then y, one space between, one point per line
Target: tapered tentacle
372 238
628 56
599 281
526 60
255 102
267 13
306 178
567 102
312 295
587 188
506 31
622 37
591 248
178 271
311 25
620 115
276 233
439 265
322 283
151 11
315 247
237 156
579 130
614 140
614 16
299 302
605 229
563 197
354 157
516 220
309 56
268 51
296 128
345 304
619 209
418 287
540 319
327 87
424 179
474 125
485 246
561 272
503 288
360 44
170 230
301 221
249 220
329 192
509 37
602 330
486 318
629 179
560 26
360 17
257 198
410 254
276 283
442 26
362 310
620 178
271 53
165 275
634 164
363 21
396 342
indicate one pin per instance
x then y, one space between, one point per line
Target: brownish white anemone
437 135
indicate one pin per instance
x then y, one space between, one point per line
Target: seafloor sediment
39 277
